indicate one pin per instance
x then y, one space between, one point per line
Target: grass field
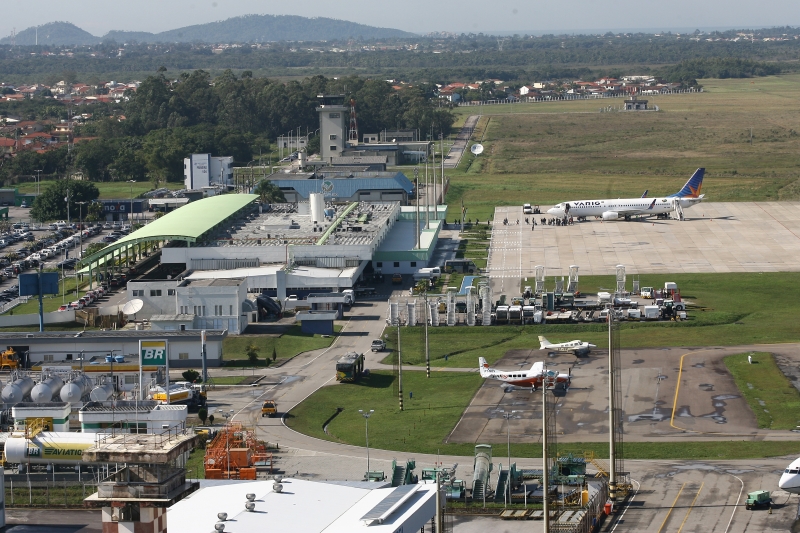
548 152
52 303
437 406
108 190
286 346
769 393
722 312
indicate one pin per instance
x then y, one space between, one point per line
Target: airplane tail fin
482 365
543 343
537 368
652 204
692 187
645 193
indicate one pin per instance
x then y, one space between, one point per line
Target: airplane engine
610 215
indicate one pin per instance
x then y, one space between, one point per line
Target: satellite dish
133 307
477 149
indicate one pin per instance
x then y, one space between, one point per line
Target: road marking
671 508
737 503
619 520
691 506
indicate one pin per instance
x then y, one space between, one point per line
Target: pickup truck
378 345
269 408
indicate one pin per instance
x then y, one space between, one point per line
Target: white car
77 304
527 209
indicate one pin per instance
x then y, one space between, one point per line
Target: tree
274 354
202 414
269 193
211 420
52 203
94 212
252 353
94 248
190 375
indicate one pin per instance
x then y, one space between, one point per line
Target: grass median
769 393
286 345
435 409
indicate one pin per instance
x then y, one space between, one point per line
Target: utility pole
441 146
427 350
612 452
399 365
416 185
545 473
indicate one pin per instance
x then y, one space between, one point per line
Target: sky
418 16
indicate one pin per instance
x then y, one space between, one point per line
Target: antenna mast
352 137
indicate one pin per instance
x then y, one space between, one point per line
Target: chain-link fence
48 494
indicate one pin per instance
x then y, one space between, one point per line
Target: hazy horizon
416 16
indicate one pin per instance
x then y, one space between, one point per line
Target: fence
48 494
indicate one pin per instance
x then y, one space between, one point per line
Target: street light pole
38 179
366 415
130 215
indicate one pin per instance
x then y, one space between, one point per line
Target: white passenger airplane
790 479
576 347
522 378
625 208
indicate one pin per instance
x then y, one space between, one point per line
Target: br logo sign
153 353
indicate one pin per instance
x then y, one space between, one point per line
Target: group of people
562 221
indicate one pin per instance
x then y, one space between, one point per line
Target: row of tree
166 120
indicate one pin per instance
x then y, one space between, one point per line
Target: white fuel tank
102 393
49 447
76 389
17 390
47 390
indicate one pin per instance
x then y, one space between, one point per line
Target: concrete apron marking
691 507
678 388
671 508
620 519
741 490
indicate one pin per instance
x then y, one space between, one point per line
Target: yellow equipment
269 408
9 359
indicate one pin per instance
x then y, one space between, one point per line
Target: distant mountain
54 33
248 28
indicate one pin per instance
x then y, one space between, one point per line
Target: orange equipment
234 453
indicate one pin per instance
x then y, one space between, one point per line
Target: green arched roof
187 223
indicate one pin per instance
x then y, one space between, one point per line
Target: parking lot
54 246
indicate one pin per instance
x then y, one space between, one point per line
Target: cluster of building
625 86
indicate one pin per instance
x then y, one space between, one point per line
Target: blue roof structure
344 186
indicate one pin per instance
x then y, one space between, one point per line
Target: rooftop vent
250 506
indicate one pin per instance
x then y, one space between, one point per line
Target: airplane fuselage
642 206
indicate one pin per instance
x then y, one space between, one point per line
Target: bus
463 266
350 367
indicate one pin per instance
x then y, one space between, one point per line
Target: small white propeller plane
575 347
532 378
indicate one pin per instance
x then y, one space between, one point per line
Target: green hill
248 28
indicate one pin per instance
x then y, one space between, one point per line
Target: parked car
78 304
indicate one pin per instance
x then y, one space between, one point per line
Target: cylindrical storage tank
120 358
76 389
317 202
16 391
60 447
101 393
47 390
330 212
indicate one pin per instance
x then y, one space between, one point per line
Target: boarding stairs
478 490
500 491
398 474
601 466
678 210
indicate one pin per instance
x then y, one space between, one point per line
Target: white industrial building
204 170
215 303
307 506
138 417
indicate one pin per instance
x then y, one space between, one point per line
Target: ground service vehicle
269 408
759 498
647 292
464 266
378 345
397 279
350 367
9 359
527 209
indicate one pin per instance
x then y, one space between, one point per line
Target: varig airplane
576 347
790 479
522 378
625 208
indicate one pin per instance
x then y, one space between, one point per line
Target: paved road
462 140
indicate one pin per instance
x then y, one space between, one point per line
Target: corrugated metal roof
216 334
188 222
345 186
